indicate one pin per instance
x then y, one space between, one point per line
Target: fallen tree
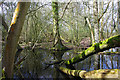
101 73
95 48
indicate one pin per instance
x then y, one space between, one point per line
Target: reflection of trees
85 64
111 60
108 61
96 62
58 57
33 66
105 62
118 61
34 63
101 61
89 63
105 59
17 55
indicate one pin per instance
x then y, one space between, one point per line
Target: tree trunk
57 43
97 47
96 30
13 37
118 26
101 73
102 26
96 22
91 31
112 21
6 28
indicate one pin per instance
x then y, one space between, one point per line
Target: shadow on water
34 65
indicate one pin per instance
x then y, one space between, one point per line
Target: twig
19 72
65 10
20 60
53 63
104 11
37 8
86 5
4 24
39 34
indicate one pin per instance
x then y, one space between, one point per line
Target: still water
34 66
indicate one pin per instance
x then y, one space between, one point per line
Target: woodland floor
84 43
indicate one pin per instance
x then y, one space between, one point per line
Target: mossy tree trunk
95 48
57 43
13 37
101 73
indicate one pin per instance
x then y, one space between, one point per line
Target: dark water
34 65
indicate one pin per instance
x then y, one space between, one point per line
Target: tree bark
118 20
91 31
96 21
57 43
101 73
56 24
102 27
95 48
6 28
13 37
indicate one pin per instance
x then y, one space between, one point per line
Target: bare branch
37 8
4 24
104 11
65 10
86 5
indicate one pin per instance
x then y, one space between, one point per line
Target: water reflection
34 64
105 62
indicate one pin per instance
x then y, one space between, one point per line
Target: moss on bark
101 73
57 40
95 48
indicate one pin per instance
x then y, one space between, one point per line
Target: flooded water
34 66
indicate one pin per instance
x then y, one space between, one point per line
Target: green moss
113 41
55 9
95 48
59 47
67 62
71 61
89 50
3 73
